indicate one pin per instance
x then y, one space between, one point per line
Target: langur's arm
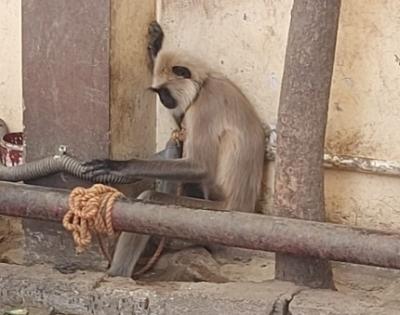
183 170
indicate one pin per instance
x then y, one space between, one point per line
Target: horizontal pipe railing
239 229
342 162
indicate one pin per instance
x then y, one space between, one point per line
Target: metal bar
301 125
342 162
239 229
362 164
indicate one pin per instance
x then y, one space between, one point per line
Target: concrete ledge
84 293
93 293
321 302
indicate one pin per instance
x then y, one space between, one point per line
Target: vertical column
133 110
73 72
302 117
132 105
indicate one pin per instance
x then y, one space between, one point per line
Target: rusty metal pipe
254 231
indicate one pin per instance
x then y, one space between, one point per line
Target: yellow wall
243 39
246 41
10 64
364 112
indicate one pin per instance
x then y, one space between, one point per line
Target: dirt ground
220 264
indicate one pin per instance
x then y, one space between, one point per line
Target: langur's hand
155 34
96 168
155 39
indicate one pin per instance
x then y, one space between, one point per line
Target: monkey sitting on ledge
223 147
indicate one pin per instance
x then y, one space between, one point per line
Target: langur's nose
153 89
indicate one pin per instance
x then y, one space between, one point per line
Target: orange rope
151 262
90 210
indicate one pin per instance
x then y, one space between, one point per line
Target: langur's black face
175 80
165 97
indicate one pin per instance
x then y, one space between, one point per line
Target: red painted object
11 149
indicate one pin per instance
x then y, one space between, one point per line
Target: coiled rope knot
179 135
90 210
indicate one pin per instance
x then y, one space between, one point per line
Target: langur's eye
182 72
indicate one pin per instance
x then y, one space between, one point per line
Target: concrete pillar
84 77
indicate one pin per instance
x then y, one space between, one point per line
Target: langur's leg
130 246
129 249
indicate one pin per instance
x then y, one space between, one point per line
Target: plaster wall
10 64
246 41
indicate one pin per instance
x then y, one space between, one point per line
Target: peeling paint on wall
364 113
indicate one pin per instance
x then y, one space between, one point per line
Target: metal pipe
362 164
68 164
239 229
52 165
64 163
350 163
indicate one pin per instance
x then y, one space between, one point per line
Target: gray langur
223 149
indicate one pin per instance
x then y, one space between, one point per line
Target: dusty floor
8 310
232 265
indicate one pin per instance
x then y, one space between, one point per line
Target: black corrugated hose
67 164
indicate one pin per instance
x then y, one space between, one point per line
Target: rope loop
90 211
